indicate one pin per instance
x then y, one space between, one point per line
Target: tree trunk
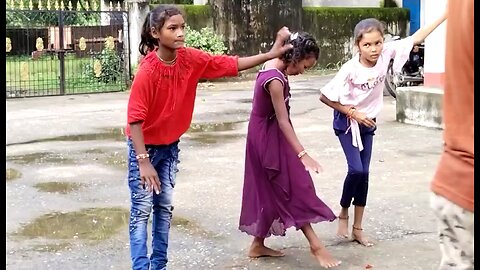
250 26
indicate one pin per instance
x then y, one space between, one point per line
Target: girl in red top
160 110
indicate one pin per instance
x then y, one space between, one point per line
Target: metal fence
66 50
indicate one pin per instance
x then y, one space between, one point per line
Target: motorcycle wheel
389 81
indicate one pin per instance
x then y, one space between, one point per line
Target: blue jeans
355 185
164 159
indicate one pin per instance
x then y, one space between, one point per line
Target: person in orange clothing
452 185
159 112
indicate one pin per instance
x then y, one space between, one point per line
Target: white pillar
137 12
104 16
434 65
200 2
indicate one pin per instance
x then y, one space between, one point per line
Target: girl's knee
355 172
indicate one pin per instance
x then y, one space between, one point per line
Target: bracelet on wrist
302 153
142 156
351 112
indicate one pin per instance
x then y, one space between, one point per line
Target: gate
64 49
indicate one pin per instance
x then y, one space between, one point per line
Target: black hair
304 46
367 26
155 18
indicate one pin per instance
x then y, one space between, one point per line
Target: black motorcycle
411 73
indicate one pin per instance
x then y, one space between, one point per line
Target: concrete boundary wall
420 105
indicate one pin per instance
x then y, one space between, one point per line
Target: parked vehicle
411 73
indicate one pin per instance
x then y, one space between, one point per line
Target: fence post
61 51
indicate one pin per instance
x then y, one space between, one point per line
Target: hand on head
280 46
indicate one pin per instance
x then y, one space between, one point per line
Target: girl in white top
356 95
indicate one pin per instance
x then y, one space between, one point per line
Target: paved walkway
69 155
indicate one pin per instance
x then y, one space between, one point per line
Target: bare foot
324 257
257 251
342 227
357 236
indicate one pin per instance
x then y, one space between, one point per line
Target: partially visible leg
357 229
456 234
360 196
162 216
258 249
141 207
342 229
166 168
324 258
355 169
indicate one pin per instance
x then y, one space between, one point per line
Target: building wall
434 43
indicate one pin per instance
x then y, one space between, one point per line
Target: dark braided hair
304 46
155 18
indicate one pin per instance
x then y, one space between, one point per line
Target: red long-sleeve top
163 96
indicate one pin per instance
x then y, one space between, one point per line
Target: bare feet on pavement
342 227
324 258
257 251
357 236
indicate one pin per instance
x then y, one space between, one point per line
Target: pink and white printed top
362 87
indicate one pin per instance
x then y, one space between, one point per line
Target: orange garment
454 176
163 96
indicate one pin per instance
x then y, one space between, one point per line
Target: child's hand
148 176
311 164
279 47
362 119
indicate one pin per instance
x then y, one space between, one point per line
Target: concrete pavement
68 155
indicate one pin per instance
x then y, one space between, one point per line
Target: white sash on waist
356 137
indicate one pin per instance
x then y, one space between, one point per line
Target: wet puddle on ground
40 158
245 100
87 224
115 134
192 228
53 247
214 133
59 187
116 159
215 139
95 224
13 174
213 127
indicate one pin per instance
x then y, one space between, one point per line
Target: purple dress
278 192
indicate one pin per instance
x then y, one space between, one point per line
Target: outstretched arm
278 48
216 66
420 35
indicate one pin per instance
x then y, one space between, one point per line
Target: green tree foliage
205 39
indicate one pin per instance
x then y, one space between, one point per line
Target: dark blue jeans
355 185
164 159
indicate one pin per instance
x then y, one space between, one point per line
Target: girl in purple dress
278 190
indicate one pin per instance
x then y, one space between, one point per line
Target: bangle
351 112
142 156
301 154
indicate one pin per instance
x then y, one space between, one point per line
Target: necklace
170 62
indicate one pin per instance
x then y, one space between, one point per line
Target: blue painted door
414 7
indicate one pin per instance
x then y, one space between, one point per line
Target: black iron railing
66 51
